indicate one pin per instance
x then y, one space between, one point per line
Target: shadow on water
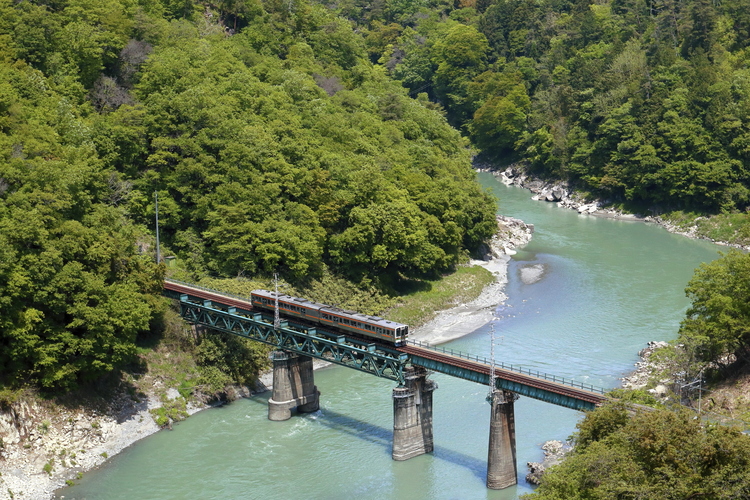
380 436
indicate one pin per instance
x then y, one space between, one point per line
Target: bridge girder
339 349
234 315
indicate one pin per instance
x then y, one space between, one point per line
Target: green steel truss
339 349
500 383
375 359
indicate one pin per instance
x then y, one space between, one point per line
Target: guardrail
516 369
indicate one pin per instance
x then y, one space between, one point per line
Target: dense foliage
74 290
272 141
641 101
654 455
717 325
268 158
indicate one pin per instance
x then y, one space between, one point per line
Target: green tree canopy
717 323
655 455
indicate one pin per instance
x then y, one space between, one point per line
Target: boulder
554 453
536 470
8 430
660 391
535 186
557 193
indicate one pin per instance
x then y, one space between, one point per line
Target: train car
334 317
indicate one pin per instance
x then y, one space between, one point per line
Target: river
606 288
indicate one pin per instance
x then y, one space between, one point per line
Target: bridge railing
516 369
211 290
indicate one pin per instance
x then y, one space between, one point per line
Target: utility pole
158 252
491 394
276 318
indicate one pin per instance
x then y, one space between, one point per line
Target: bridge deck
538 387
524 384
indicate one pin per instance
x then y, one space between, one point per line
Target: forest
273 143
645 102
334 140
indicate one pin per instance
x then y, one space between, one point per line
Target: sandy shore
465 318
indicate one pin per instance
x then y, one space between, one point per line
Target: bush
659 455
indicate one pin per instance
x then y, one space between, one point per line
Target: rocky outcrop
564 195
554 453
560 192
511 234
44 444
516 175
645 369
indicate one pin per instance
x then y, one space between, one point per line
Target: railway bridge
293 382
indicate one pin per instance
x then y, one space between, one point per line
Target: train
332 317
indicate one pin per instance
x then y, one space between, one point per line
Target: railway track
205 294
542 384
519 378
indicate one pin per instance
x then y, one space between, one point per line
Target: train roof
333 309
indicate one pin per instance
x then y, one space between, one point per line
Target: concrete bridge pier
412 415
293 386
501 460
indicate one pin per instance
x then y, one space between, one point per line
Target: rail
452 352
210 290
516 369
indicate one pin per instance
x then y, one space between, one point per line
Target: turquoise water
607 289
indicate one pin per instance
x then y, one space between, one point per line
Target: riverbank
45 444
564 196
463 319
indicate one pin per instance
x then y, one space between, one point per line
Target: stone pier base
501 461
293 386
412 415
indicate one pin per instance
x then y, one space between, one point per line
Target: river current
593 292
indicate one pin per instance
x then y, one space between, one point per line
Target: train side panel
359 324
